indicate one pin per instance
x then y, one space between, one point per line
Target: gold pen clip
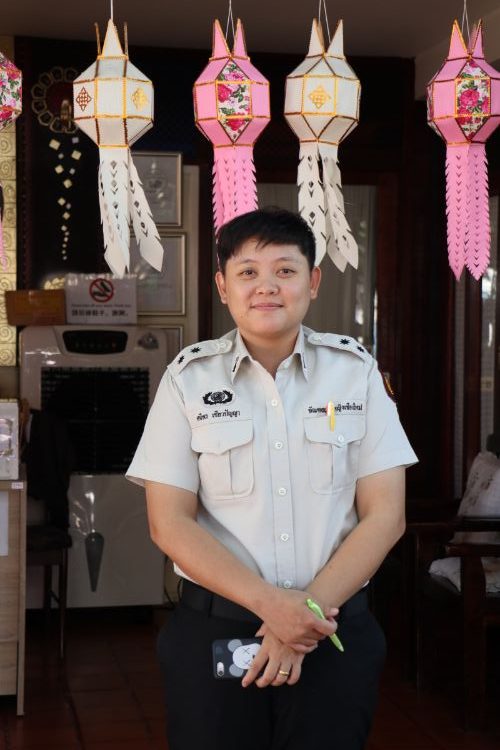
330 412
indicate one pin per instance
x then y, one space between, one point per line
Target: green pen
314 607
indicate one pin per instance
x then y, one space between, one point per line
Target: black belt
200 599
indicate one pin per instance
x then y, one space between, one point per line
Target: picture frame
161 175
161 292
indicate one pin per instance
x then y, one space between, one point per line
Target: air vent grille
105 410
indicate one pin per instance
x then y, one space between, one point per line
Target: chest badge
214 398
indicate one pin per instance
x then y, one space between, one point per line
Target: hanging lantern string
98 36
111 2
230 19
322 7
465 19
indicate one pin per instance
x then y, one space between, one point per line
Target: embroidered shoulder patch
202 349
387 385
343 343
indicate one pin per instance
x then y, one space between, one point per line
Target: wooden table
12 588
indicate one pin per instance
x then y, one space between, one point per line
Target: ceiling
385 28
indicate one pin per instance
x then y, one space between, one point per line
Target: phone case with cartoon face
232 657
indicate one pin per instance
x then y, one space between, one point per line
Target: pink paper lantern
10 92
463 107
10 109
232 108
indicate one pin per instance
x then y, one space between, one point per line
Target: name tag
352 407
219 413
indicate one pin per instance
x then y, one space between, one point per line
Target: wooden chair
48 545
428 540
48 455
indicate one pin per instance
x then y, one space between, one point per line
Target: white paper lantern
113 104
322 106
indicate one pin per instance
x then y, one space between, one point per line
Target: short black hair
269 226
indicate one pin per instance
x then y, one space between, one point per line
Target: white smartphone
233 656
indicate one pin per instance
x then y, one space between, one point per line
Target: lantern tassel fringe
224 184
456 188
311 196
246 186
234 186
146 233
113 202
341 245
121 197
478 215
217 202
321 204
467 208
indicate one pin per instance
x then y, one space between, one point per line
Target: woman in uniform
274 465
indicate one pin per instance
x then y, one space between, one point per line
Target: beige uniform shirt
275 484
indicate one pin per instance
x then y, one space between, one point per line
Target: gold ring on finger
282 672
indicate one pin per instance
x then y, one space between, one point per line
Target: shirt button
286 365
340 438
287 584
316 337
274 402
284 537
278 445
223 346
282 491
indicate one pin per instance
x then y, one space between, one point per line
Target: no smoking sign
101 300
101 290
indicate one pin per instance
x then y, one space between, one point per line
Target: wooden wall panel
8 668
9 577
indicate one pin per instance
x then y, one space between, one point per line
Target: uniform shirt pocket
332 457
225 458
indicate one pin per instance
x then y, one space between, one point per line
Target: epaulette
337 341
198 351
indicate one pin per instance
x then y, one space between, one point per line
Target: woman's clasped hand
289 631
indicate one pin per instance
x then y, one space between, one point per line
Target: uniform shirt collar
240 352
300 350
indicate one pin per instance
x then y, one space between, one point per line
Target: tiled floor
108 696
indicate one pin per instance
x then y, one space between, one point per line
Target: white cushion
481 498
449 567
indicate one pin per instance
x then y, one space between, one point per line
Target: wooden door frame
472 366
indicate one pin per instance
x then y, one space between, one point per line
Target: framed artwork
161 177
161 292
